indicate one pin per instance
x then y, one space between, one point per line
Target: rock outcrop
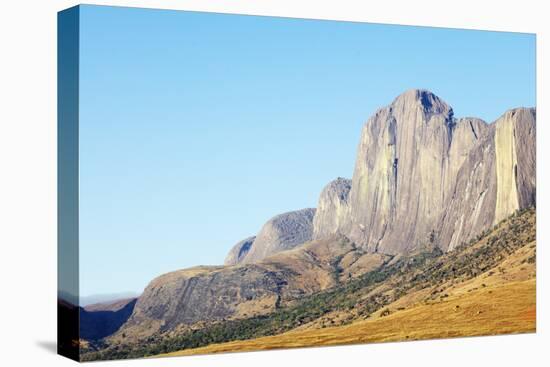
239 251
332 208
280 233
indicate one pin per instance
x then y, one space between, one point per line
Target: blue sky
196 128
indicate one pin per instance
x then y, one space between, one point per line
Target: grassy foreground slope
499 300
502 309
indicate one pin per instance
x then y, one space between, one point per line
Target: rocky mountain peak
415 161
423 100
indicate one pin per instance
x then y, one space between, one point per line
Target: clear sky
196 128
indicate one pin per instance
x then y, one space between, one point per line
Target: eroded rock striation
515 161
423 176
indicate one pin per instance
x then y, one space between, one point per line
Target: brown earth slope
216 294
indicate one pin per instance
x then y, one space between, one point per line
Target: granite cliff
423 177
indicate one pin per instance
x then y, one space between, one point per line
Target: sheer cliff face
399 182
469 208
515 161
424 178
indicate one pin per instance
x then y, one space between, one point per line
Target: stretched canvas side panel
67 184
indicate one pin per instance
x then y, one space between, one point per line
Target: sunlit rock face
424 178
399 182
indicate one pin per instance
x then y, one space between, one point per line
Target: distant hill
103 319
106 298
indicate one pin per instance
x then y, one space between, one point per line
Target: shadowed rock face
280 233
239 251
103 319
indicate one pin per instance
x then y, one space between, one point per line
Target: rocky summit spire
422 99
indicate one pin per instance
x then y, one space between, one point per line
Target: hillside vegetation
484 287
503 309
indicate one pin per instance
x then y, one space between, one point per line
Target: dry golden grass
494 309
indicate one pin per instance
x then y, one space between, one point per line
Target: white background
28 182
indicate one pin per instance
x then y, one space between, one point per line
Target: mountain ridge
423 181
